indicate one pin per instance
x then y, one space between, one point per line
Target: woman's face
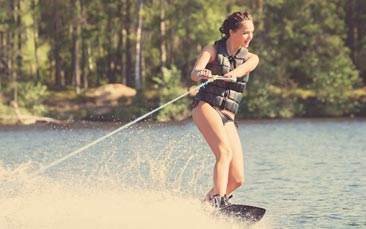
243 35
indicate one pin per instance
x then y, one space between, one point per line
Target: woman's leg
210 124
236 170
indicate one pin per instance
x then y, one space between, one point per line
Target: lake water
307 173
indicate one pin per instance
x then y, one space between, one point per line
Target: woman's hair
234 22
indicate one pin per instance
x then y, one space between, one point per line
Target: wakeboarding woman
215 105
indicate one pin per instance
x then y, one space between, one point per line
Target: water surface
307 173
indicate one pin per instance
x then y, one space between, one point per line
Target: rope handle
218 77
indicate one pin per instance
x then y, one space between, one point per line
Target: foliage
4 109
306 53
170 87
31 97
316 46
267 101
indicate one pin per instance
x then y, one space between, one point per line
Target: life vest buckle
223 104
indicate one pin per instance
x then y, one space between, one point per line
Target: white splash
42 202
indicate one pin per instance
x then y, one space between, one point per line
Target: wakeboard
246 213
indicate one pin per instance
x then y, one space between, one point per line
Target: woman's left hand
230 78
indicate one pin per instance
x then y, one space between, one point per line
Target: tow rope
80 150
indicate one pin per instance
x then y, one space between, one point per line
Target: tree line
312 53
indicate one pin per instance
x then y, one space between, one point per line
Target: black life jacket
222 94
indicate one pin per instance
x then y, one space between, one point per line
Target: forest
55 53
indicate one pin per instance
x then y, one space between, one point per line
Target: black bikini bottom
224 117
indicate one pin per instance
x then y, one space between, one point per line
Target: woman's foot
220 202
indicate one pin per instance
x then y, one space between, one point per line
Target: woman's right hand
204 74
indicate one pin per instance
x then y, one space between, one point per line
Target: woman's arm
207 55
246 67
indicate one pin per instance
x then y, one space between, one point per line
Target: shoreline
115 124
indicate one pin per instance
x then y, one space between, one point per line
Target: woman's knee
224 154
240 180
237 180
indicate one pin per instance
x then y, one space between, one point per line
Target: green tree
302 46
356 39
311 52
170 87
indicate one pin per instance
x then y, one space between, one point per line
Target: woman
216 104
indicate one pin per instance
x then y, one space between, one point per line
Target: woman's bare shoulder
211 50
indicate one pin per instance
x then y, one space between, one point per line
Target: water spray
80 150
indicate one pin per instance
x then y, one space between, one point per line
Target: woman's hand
204 74
230 78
